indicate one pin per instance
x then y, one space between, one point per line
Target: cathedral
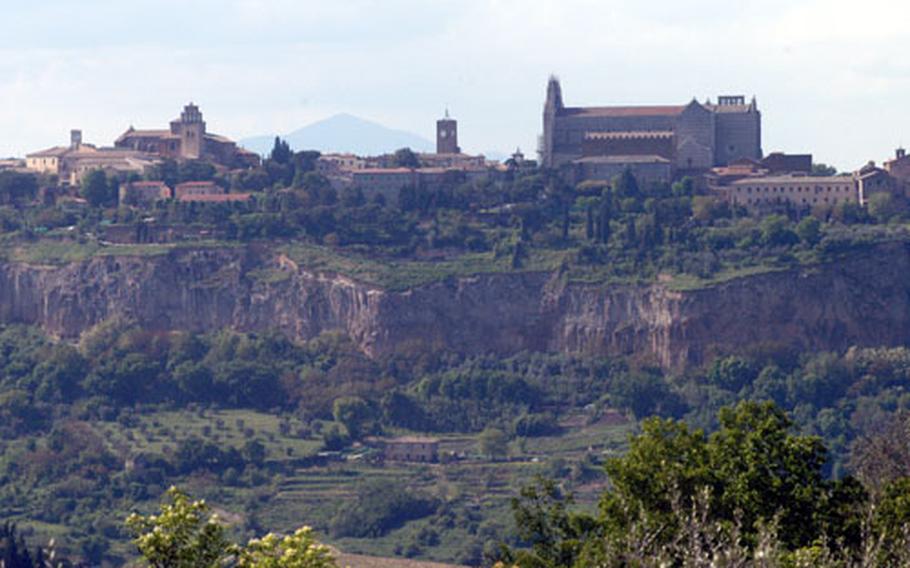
683 139
188 139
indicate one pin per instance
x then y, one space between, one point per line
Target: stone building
71 163
694 137
188 188
187 139
796 192
871 179
336 164
143 193
781 163
215 198
411 449
648 169
899 167
384 181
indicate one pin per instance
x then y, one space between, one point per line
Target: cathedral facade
689 138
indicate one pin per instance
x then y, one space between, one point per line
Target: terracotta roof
811 180
162 133
218 138
219 198
375 171
619 111
109 153
629 134
54 152
196 184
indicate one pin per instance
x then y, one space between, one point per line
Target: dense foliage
57 466
752 490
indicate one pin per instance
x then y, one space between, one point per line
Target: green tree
281 151
823 170
354 413
751 474
182 535
809 230
493 443
884 207
16 188
185 535
775 231
96 189
625 185
555 535
195 170
589 222
254 452
605 216
299 550
406 158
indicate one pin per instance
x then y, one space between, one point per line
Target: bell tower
447 135
190 127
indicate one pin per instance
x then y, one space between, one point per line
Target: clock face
444 133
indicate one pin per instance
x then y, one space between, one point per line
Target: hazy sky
831 76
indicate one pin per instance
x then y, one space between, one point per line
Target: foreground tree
183 535
186 535
750 494
300 550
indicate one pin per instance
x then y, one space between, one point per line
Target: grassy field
404 274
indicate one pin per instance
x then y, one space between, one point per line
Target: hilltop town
716 145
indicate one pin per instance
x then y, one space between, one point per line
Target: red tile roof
374 171
219 198
54 152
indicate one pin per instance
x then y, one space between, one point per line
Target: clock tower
447 135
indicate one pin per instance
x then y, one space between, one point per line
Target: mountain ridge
343 132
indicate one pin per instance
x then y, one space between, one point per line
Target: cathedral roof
619 111
133 133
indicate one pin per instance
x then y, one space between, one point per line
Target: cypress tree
589 223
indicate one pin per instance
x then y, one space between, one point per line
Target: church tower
191 130
552 107
447 135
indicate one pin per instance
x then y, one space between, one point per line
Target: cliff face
861 301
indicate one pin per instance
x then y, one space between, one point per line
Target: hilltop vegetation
523 219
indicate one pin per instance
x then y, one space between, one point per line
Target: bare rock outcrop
862 300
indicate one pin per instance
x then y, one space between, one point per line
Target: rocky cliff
863 300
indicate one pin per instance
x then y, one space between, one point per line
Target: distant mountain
343 133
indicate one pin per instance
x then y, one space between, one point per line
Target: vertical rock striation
862 300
